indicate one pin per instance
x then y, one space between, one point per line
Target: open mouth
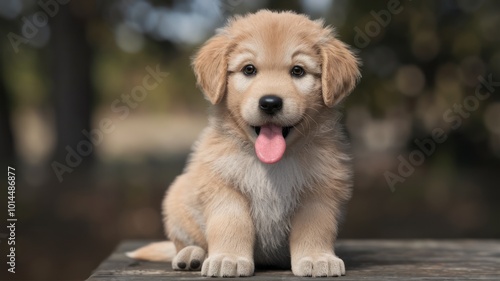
284 130
270 144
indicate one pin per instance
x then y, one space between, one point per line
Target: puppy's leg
230 235
312 238
184 223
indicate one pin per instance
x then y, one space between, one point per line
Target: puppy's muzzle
270 104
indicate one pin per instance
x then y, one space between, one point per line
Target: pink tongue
270 144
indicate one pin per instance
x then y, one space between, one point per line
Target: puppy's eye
249 69
297 71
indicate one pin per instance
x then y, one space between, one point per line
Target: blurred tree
71 59
6 140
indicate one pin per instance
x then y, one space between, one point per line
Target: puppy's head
274 72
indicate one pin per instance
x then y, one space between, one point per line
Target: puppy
268 177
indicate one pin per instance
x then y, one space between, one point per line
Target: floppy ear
340 71
210 68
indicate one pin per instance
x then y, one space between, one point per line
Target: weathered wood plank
364 259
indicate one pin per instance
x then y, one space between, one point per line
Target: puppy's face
275 73
274 79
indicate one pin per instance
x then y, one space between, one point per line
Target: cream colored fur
228 211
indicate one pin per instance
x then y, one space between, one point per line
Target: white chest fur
274 193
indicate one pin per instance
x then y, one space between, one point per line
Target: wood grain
364 259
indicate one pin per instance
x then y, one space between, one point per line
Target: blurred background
98 110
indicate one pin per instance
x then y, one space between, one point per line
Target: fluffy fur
229 211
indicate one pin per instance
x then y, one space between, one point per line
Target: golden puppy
268 177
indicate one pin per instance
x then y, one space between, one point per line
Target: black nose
270 104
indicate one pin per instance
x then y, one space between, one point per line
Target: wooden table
364 260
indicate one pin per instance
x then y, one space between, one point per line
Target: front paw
320 265
226 265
